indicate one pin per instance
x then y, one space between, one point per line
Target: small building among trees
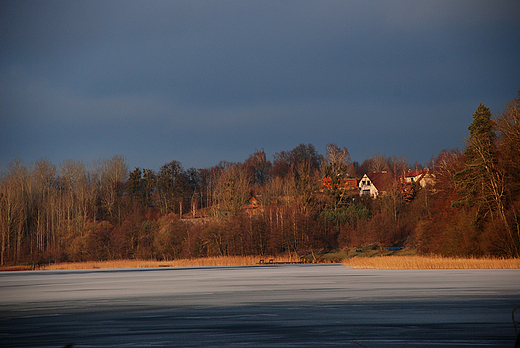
422 177
345 184
374 184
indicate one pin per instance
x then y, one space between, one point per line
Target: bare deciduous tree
111 174
232 190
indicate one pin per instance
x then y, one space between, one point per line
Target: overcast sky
205 81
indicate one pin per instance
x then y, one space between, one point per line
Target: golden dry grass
200 262
382 262
430 262
15 268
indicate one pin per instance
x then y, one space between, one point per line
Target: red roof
382 180
414 173
346 184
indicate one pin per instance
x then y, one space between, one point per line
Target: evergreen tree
169 185
481 182
141 186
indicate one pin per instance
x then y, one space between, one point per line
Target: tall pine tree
481 182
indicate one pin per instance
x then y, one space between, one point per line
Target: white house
422 177
374 184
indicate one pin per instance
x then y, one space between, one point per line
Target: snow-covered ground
259 306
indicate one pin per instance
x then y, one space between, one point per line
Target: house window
366 192
368 182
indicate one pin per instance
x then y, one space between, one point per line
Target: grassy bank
200 262
373 257
351 258
429 262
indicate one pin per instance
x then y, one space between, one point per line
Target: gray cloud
207 81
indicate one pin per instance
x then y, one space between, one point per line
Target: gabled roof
423 177
413 173
416 174
381 180
348 183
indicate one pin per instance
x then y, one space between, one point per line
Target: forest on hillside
105 211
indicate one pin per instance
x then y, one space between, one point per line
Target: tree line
104 210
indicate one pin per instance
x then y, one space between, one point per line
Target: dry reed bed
430 262
384 262
199 262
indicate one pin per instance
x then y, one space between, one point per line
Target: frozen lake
259 306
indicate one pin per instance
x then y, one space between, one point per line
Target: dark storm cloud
204 81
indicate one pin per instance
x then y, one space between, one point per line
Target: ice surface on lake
259 306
